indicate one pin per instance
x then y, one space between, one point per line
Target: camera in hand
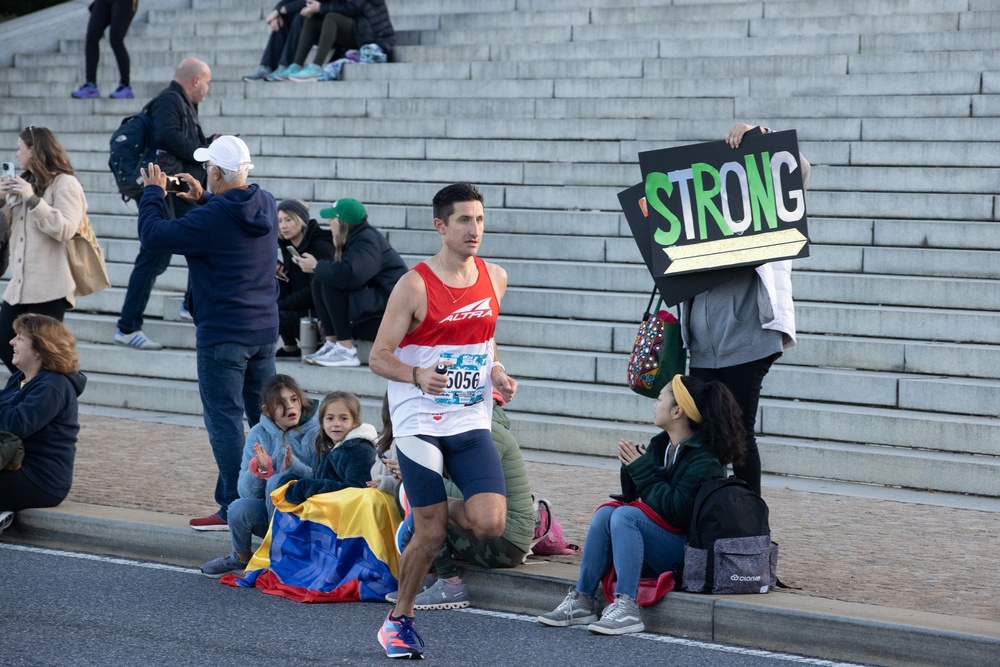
174 184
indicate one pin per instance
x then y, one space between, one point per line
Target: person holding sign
436 348
736 330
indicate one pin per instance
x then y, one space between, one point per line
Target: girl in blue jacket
280 447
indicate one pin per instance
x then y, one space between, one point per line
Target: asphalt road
64 608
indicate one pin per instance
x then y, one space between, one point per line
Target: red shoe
214 522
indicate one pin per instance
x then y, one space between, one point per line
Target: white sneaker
339 356
6 519
136 339
311 358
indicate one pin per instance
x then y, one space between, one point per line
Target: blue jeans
149 265
630 539
247 517
230 377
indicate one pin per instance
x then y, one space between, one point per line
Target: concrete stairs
546 105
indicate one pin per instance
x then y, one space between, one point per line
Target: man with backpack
176 135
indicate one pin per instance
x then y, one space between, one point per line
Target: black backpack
729 548
131 149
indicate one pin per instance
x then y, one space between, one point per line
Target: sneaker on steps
87 91
339 356
621 617
310 72
283 74
136 339
259 74
443 595
575 609
122 92
6 519
327 346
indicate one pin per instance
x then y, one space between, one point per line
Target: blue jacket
302 440
349 464
229 244
43 413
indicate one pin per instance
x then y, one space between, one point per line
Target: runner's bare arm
406 308
499 278
505 384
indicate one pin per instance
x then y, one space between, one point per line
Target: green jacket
671 491
520 512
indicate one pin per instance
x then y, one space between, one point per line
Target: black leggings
9 313
332 310
18 493
326 31
745 382
118 14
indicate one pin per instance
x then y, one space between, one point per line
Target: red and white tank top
459 327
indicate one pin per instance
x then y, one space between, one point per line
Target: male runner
444 311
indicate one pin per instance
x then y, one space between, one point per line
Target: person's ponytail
722 427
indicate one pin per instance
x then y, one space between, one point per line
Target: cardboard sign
673 288
707 206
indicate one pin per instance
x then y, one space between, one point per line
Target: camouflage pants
496 553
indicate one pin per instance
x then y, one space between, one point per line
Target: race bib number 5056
466 379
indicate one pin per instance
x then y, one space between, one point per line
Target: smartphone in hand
294 253
176 185
8 170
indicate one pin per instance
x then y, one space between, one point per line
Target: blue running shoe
122 92
87 91
400 639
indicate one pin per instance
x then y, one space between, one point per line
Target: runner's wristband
497 363
415 383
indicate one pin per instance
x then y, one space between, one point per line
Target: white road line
664 639
100 559
694 643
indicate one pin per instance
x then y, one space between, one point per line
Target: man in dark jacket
177 134
229 242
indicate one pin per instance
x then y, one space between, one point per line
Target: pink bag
548 539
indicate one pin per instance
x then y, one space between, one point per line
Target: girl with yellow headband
644 533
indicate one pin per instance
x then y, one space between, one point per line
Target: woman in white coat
43 208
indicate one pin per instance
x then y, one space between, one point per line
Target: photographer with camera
177 134
229 243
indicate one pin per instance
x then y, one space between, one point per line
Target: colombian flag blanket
335 547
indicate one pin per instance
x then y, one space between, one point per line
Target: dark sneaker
122 92
87 91
214 522
400 639
621 617
443 595
258 74
223 565
575 609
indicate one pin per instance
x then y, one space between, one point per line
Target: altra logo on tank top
472 311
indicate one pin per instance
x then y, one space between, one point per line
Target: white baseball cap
228 152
